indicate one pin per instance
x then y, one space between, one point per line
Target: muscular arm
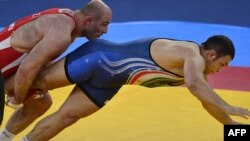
213 103
56 38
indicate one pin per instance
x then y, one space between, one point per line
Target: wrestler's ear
88 20
211 54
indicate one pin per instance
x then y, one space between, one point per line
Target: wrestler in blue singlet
100 68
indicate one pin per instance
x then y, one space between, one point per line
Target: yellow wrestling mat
142 114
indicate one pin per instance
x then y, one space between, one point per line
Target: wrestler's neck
203 53
81 24
78 16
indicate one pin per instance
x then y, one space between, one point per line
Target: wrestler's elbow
192 84
196 87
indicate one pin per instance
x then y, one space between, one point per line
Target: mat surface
143 114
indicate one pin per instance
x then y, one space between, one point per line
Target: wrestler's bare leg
52 77
77 106
23 117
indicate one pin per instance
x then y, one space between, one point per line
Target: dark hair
221 44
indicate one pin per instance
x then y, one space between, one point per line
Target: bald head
96 8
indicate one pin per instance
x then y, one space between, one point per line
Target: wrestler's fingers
10 102
39 94
242 112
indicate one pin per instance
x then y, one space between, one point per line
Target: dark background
229 12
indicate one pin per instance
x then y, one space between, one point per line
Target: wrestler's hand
34 93
237 123
238 111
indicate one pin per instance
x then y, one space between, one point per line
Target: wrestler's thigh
78 104
52 77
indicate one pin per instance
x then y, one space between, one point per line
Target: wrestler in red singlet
10 59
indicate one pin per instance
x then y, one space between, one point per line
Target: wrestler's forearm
23 81
201 89
218 114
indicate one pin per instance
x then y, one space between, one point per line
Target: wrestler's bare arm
222 116
56 38
194 66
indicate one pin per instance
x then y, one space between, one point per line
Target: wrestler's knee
68 117
38 106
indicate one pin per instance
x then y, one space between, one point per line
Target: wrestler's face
98 27
217 64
